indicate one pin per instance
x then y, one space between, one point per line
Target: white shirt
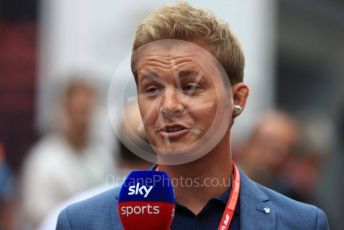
55 171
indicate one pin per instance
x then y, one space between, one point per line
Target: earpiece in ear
237 109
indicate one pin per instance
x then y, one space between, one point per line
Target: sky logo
139 190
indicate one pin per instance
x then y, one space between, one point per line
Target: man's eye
152 90
190 88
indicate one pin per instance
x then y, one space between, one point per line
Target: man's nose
172 105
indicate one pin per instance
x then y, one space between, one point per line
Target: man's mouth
173 131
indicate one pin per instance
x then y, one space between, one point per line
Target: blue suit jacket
100 212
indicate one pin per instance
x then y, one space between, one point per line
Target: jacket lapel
256 210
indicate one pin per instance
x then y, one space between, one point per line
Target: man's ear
240 94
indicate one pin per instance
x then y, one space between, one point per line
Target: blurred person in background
287 153
271 142
302 169
7 183
126 161
66 160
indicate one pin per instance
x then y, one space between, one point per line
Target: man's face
181 96
79 105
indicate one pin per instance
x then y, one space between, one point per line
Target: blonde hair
184 22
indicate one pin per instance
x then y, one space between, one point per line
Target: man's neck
195 183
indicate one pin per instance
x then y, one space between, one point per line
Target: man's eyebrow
150 75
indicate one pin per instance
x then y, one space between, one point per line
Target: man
126 161
66 160
264 154
188 109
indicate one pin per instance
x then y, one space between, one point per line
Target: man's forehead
173 48
175 55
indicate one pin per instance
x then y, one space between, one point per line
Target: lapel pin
267 210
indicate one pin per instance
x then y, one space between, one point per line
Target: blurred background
57 58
